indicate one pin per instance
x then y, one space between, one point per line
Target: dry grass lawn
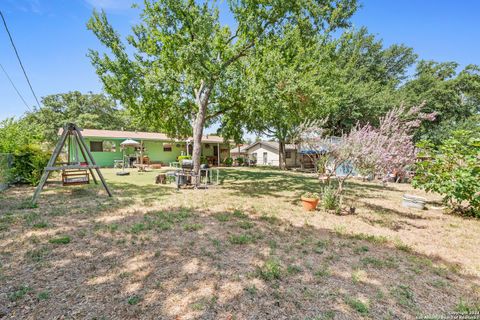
244 249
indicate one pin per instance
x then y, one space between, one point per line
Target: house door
265 158
190 149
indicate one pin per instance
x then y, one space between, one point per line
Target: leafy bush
228 162
322 164
240 161
28 164
181 158
5 162
330 198
21 139
452 169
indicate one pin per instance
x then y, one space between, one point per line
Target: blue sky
53 41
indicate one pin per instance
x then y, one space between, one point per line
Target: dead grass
242 250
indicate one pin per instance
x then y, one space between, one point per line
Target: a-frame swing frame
70 130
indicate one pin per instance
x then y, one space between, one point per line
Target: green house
158 148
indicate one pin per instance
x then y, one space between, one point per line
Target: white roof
272 144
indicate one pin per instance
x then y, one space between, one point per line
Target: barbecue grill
183 176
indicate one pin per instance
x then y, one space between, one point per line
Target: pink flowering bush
370 150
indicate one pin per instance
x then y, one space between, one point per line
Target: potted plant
310 201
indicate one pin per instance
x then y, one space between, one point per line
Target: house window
96 146
167 148
288 154
102 146
254 156
109 146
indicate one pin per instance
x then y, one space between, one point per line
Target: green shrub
330 198
28 164
229 162
240 161
181 158
5 161
452 169
322 164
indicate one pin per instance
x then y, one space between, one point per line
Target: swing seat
75 177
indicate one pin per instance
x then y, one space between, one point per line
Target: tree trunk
197 141
282 155
201 99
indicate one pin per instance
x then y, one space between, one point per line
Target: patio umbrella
130 143
123 145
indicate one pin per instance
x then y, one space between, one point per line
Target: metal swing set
74 172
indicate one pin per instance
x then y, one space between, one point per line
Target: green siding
153 149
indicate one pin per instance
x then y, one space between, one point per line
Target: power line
13 85
18 57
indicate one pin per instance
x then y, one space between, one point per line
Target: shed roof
272 144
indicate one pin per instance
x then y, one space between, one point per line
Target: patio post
218 154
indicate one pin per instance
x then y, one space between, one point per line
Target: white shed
266 153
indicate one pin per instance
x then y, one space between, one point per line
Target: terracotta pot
309 204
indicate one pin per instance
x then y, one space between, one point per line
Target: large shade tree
281 90
453 95
298 76
183 68
362 79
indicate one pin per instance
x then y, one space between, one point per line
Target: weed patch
241 239
43 295
192 226
222 217
37 255
404 295
271 270
379 263
361 249
239 214
60 240
133 300
246 225
19 293
357 305
293 269
322 272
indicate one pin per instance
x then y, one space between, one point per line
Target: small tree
453 170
